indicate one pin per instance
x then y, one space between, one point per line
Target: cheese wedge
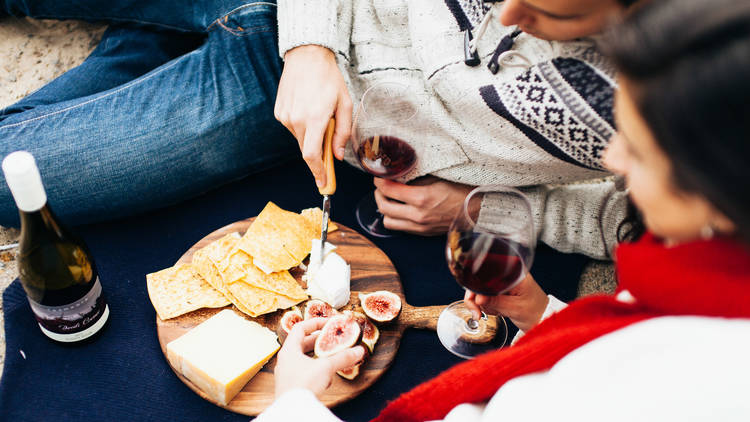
222 354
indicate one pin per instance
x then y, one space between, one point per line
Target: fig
339 333
317 308
287 321
370 332
381 306
352 372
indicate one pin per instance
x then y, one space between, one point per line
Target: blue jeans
177 99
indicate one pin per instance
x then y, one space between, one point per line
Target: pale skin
668 213
295 369
312 90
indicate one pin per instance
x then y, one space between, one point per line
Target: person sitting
177 101
532 106
672 343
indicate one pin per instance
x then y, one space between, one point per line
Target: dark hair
627 3
688 64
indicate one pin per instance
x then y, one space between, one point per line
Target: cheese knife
330 186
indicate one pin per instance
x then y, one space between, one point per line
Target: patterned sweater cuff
321 22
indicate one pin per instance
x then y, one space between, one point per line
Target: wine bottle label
75 321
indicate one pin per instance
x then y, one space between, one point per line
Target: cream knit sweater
541 123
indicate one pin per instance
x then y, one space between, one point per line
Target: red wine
484 263
55 267
386 156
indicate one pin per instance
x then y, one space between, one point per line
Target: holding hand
294 369
523 304
311 91
426 207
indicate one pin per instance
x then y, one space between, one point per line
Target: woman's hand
294 369
426 207
311 91
523 304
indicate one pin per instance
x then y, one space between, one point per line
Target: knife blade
330 186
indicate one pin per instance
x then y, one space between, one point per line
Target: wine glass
383 124
489 250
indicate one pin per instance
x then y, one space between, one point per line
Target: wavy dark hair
688 64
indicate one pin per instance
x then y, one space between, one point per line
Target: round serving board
371 270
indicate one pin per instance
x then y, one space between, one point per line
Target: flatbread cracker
180 289
254 301
208 259
315 217
277 240
240 267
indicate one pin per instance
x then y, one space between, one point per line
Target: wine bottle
55 267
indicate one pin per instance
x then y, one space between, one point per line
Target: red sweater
706 278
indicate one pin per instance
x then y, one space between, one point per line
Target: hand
523 304
311 90
294 369
426 207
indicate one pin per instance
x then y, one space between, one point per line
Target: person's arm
577 217
298 404
299 378
312 33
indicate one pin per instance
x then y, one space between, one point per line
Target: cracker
240 267
277 240
208 259
180 289
255 301
315 217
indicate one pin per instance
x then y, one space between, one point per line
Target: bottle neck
41 219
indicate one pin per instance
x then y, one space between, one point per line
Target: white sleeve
553 305
327 23
297 405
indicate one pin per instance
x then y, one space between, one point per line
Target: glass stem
473 324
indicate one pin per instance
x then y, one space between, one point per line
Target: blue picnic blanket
123 376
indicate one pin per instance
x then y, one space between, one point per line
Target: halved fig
370 332
317 308
287 321
339 333
352 372
381 306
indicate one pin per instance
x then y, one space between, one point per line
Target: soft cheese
222 354
328 277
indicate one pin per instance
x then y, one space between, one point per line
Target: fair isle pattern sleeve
563 105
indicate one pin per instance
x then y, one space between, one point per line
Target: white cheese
222 354
328 280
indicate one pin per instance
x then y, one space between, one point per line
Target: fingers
312 150
398 210
343 130
469 301
394 190
296 338
347 358
308 344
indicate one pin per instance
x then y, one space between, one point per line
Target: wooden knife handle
330 187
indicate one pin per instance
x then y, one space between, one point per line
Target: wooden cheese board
371 270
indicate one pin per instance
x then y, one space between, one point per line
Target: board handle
420 317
